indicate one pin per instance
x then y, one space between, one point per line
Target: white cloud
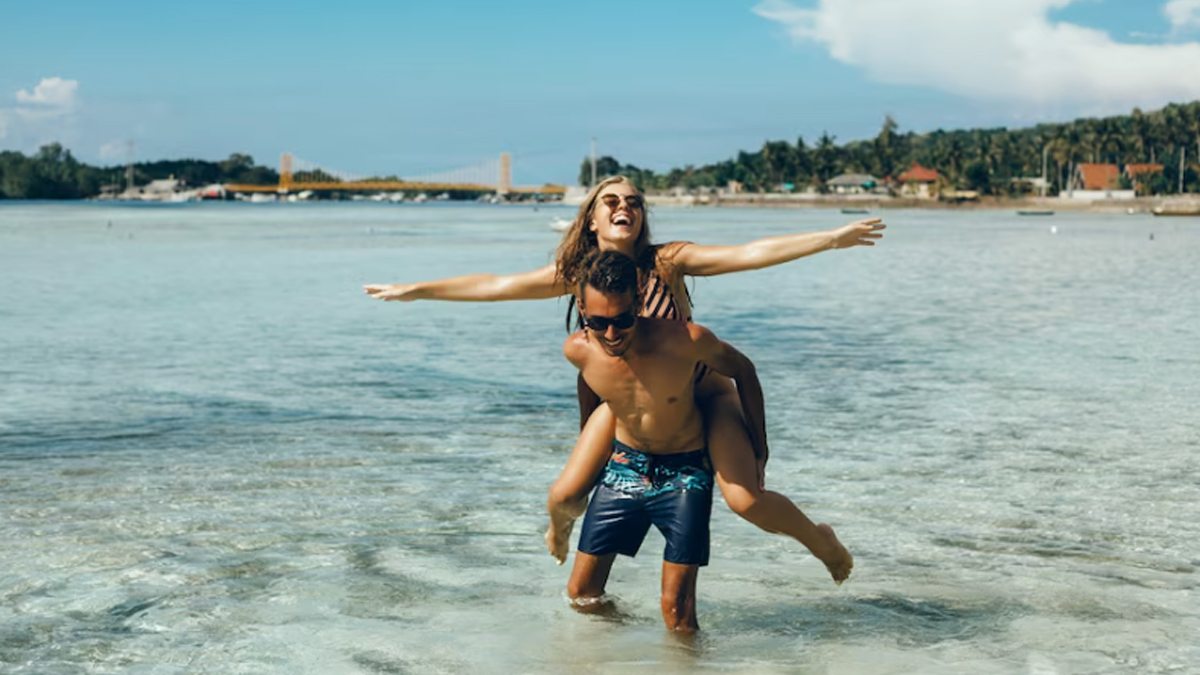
1009 51
51 92
48 113
1183 14
115 150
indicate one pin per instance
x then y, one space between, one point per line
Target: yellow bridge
491 176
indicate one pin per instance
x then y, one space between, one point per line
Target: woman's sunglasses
601 323
612 201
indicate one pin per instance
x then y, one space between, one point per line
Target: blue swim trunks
637 490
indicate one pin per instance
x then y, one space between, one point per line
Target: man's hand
401 292
858 233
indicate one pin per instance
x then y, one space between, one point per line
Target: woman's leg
737 475
568 495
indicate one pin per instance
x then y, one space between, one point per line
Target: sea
218 455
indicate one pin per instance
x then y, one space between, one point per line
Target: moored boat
1189 208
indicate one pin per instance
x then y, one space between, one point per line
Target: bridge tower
285 172
505 185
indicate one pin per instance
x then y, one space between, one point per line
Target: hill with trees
986 160
53 173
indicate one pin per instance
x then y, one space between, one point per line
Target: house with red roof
1092 181
920 182
1139 175
1092 176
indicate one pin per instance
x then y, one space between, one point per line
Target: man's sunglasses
600 324
612 201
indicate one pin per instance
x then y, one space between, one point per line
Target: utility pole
1045 153
1182 165
505 185
129 168
593 162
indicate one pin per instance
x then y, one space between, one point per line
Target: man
659 471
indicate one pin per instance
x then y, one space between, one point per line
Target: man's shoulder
575 347
664 330
675 336
698 333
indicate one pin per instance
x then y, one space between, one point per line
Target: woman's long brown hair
579 242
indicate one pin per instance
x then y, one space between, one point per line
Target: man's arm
723 358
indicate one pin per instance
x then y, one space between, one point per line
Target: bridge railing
490 176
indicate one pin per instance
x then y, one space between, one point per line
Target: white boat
1181 207
560 224
181 197
574 195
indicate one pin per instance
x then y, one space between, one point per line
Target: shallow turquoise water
217 455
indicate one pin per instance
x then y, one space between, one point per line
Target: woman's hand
858 233
400 292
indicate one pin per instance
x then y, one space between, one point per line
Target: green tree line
53 173
976 159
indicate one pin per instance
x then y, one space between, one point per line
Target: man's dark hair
610 272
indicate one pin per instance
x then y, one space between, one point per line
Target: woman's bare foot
558 539
837 559
563 514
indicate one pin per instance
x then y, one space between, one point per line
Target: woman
613 217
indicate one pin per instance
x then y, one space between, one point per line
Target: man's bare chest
660 379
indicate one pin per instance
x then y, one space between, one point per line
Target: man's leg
737 476
679 597
682 514
588 578
568 495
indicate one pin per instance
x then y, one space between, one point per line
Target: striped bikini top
660 299
660 304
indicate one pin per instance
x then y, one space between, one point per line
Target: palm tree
825 158
804 162
1108 140
778 163
885 147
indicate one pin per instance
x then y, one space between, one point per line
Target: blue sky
414 88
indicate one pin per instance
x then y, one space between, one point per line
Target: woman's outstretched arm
702 261
533 285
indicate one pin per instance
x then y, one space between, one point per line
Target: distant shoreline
778 201
866 205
